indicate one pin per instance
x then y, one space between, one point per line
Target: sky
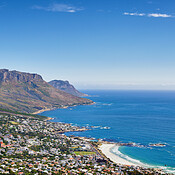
95 44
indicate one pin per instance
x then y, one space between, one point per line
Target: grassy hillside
28 93
10 112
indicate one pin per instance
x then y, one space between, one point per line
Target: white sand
105 148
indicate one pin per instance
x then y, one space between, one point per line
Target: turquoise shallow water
142 117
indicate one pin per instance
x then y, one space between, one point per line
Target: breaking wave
115 150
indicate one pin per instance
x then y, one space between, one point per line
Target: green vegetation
10 112
32 146
83 153
13 123
29 93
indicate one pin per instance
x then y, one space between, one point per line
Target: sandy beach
42 110
105 148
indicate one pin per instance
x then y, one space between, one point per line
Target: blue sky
92 43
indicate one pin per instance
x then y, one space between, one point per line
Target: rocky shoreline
62 107
31 142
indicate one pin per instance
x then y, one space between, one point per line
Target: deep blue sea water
142 117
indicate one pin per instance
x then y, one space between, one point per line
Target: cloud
155 15
58 8
135 14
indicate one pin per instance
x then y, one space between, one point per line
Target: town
34 146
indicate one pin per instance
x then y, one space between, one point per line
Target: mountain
25 92
66 87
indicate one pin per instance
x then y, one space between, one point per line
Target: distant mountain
66 87
25 92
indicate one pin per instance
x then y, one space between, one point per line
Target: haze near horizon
116 44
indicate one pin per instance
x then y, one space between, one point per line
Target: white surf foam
115 150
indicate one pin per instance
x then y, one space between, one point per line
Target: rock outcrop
66 87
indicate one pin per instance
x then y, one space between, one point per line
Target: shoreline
105 148
50 109
43 110
63 107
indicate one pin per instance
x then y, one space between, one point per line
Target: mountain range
28 93
66 87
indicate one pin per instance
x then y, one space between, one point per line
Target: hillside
14 113
66 87
25 92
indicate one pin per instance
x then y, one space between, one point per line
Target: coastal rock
25 92
157 145
66 87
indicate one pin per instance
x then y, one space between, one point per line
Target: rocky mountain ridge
25 92
66 87
15 76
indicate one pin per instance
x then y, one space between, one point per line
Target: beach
105 148
42 110
118 116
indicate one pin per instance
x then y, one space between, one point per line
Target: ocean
142 117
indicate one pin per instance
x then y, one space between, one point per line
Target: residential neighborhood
33 146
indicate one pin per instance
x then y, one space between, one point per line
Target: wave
93 96
115 150
170 171
103 104
96 127
105 127
107 104
101 127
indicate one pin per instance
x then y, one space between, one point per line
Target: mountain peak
15 76
66 87
25 92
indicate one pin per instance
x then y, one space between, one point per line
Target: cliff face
66 87
15 76
25 92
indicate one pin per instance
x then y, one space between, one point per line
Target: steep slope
66 87
25 92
